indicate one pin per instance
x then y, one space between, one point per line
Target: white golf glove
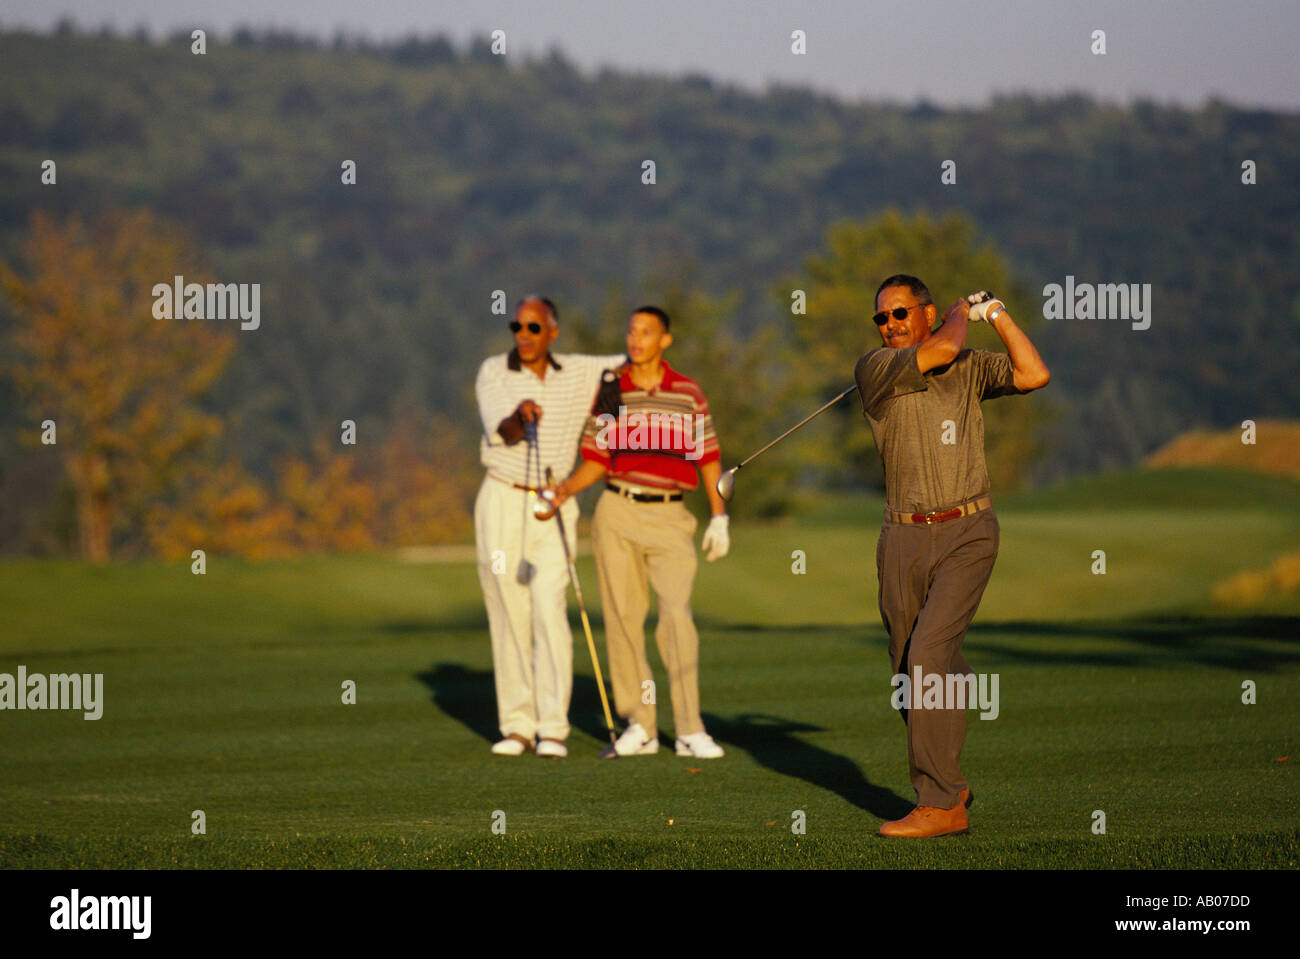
982 303
716 538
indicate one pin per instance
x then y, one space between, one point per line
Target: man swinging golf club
920 394
650 431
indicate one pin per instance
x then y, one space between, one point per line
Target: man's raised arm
1031 373
942 347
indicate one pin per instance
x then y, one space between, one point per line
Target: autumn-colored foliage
120 386
411 488
122 389
225 511
425 483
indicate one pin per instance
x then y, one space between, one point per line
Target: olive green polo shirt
928 427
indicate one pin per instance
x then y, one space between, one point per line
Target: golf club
727 481
586 623
524 573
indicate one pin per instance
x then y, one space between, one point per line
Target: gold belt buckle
943 515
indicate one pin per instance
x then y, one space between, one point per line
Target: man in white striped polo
521 563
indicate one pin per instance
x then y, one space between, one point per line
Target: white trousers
532 646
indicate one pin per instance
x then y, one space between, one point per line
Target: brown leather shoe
925 821
966 797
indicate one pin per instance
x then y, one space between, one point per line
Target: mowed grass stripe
325 775
223 692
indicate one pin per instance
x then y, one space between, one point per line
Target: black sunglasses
899 312
516 326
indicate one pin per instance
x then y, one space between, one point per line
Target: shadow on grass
1223 642
1226 643
466 695
772 743
469 697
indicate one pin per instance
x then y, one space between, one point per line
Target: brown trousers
638 545
932 578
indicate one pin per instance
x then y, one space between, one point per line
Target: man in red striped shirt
650 432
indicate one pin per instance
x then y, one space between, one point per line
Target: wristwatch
994 314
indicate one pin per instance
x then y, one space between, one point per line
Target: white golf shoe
700 745
552 749
633 742
512 745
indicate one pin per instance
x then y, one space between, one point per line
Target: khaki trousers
640 545
932 578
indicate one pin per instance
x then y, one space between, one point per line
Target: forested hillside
476 173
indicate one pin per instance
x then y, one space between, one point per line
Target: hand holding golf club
982 303
550 499
514 427
547 504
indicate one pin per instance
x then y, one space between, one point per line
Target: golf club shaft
582 608
806 419
530 447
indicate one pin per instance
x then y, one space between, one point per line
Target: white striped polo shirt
565 395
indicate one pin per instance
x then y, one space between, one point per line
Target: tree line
472 178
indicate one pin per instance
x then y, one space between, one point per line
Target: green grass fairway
1120 693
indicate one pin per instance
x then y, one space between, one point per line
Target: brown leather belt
941 515
637 494
526 489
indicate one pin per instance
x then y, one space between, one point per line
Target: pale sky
952 52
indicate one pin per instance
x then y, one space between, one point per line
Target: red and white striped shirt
659 437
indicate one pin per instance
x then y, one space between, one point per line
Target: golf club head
608 752
524 573
727 484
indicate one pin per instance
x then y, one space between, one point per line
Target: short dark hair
545 301
655 311
919 289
